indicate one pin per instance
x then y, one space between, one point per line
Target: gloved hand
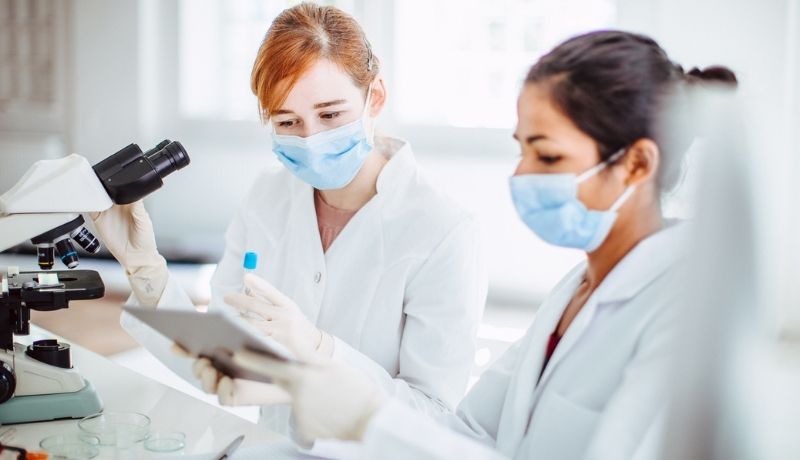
237 392
127 232
233 392
276 315
330 400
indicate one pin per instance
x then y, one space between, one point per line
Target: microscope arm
51 193
17 228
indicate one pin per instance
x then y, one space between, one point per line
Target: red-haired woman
364 260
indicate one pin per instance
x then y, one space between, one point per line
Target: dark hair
613 86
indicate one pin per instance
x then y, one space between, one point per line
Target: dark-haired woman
588 379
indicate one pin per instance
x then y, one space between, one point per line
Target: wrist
148 283
152 263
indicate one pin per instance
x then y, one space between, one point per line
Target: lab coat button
317 277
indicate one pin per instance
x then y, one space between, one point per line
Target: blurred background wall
90 76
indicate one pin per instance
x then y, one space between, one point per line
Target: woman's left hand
279 317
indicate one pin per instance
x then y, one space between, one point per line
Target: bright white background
99 74
141 71
179 69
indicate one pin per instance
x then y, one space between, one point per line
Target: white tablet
213 335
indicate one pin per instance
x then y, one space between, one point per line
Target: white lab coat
600 397
401 289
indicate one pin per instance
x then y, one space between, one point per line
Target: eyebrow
531 139
320 105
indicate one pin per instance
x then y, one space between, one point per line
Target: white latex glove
233 392
330 400
237 392
276 315
127 232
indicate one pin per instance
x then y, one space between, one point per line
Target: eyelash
549 159
326 116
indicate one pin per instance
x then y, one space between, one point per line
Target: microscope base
43 408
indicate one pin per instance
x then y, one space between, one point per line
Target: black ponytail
714 74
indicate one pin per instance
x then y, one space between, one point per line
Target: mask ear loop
600 166
623 198
597 168
629 190
365 113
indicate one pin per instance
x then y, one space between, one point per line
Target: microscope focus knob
8 383
51 352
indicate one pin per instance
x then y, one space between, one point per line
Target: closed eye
329 115
550 159
286 123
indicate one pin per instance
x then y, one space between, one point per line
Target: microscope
38 382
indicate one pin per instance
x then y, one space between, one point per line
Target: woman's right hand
127 232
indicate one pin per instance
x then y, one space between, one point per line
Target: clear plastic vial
250 262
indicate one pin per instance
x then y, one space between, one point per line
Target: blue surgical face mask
330 159
549 205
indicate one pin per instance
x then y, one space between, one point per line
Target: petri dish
120 429
165 441
71 446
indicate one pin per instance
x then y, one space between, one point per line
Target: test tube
249 264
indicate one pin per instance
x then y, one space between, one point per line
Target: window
461 63
218 41
455 63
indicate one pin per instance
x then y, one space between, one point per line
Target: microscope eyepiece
168 159
129 175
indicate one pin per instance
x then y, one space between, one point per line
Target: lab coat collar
399 170
643 264
647 261
396 173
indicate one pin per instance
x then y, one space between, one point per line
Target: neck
627 232
361 189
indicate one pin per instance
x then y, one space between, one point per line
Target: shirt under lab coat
401 289
601 395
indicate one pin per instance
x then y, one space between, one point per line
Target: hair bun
713 74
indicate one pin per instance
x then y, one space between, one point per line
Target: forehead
538 114
323 81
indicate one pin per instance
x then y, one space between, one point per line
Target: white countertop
207 428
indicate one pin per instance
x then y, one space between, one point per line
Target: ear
378 98
641 162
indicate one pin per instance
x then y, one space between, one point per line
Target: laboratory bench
207 429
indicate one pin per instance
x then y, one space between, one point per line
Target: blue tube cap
250 260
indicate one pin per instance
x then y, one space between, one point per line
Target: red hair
297 39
